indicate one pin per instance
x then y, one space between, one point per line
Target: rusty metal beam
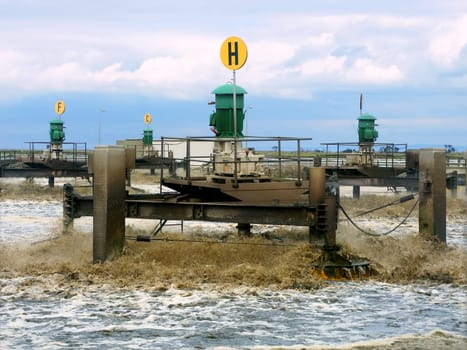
373 181
296 215
222 212
42 172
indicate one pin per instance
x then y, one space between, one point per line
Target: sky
112 62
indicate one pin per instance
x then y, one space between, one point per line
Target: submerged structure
230 182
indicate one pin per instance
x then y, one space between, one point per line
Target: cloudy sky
308 61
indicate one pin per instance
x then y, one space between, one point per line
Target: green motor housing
147 137
222 120
57 135
366 128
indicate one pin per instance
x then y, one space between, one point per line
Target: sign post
234 54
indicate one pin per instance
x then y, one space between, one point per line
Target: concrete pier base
465 159
244 229
432 191
108 166
356 192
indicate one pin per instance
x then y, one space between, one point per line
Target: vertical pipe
234 104
298 160
337 156
432 191
187 159
327 150
108 202
235 184
280 157
161 161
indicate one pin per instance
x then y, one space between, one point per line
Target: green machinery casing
147 137
366 128
57 135
222 118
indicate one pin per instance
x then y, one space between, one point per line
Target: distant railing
73 152
385 155
12 155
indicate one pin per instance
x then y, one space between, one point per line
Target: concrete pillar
317 185
109 202
356 192
128 177
244 229
465 173
432 191
452 183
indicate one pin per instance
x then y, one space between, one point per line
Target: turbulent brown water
256 263
266 281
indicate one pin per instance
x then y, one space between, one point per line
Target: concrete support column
465 182
356 192
317 185
244 229
432 191
108 166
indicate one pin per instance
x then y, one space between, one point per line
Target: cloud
291 54
449 39
369 72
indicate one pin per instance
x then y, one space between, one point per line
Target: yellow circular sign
147 118
59 107
234 53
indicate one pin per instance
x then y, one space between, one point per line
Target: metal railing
387 155
195 155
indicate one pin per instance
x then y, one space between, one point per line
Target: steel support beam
43 172
385 181
138 208
222 212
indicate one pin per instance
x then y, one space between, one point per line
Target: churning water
49 315
101 317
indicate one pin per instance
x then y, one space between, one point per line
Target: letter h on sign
233 53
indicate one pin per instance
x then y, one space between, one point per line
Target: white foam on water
44 315
339 314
